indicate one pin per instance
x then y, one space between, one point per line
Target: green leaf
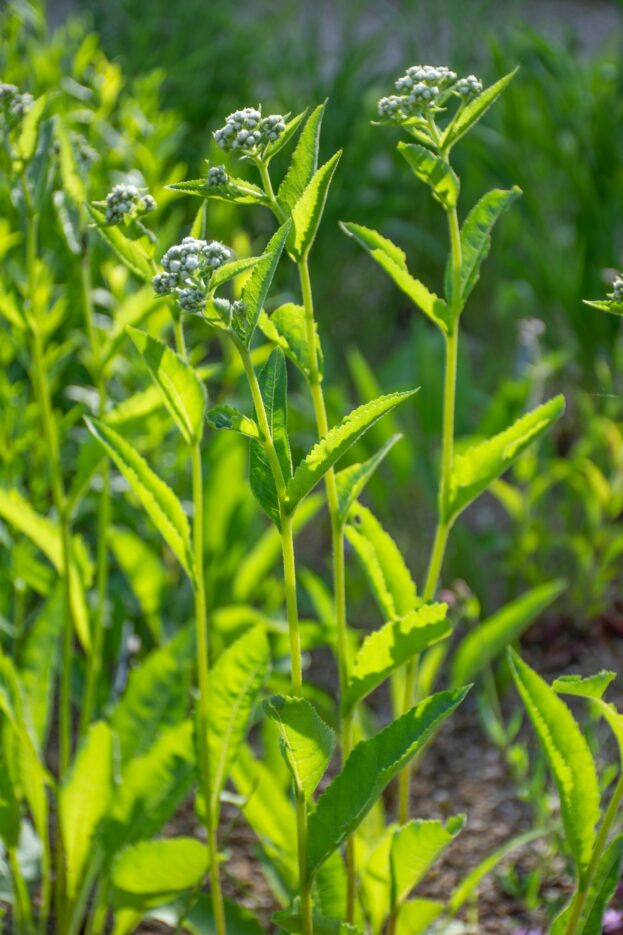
46 535
488 639
236 191
434 171
336 443
389 577
475 469
603 886
605 305
235 683
569 758
352 480
128 251
27 139
415 848
416 915
227 417
476 238
291 921
83 801
158 869
199 920
72 181
593 686
287 328
255 289
304 161
471 112
156 697
387 649
393 261
307 743
273 380
367 771
158 500
152 787
308 210
39 663
229 271
183 392
144 571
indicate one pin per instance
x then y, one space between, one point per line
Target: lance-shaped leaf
352 480
156 697
227 417
308 210
72 180
235 683
46 535
593 688
569 758
392 259
39 662
256 288
158 500
229 271
235 191
415 848
383 563
183 392
471 112
476 238
477 467
273 381
158 870
606 879
606 305
83 801
152 787
128 251
143 569
27 139
385 650
434 171
471 882
304 161
367 771
417 915
488 639
287 328
337 441
307 743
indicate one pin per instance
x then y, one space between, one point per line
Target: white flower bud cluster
423 89
187 270
468 87
125 203
617 290
217 176
246 131
14 104
86 155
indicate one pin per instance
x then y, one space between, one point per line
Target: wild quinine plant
336 865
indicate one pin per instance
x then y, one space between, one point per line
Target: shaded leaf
227 417
273 381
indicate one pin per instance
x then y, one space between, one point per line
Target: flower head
423 90
14 104
248 132
187 269
617 290
125 203
217 176
468 87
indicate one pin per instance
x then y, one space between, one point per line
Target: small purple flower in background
613 921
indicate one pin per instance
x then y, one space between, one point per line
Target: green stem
23 911
304 882
600 845
203 676
95 662
278 211
447 459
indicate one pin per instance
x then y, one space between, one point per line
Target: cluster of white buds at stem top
423 89
85 154
187 270
217 176
14 104
617 290
246 131
125 203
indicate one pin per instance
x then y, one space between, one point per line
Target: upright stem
582 891
94 666
447 459
289 576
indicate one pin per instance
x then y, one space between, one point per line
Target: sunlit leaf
307 742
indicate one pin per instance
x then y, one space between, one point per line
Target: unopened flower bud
217 176
468 87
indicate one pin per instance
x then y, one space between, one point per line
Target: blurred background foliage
148 83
